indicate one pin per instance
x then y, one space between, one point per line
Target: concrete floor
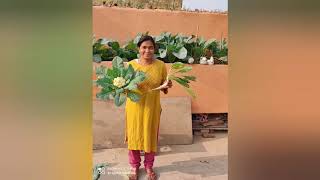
206 158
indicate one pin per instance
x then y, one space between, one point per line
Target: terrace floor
206 158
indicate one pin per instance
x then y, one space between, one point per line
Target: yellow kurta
143 117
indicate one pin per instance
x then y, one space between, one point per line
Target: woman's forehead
147 43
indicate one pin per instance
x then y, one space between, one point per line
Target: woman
143 117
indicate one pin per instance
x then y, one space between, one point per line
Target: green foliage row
170 48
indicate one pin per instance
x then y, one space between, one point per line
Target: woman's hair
146 38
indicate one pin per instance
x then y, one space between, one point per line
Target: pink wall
122 24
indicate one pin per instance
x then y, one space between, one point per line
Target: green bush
170 48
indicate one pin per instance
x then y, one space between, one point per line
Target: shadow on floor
196 146
204 166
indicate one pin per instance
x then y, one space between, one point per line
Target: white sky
220 5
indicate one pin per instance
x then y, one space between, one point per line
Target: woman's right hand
165 91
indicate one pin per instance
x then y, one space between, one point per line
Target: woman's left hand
169 84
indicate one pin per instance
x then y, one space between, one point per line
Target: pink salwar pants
134 159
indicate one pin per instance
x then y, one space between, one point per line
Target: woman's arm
164 77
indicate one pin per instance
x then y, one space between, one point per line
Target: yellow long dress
143 117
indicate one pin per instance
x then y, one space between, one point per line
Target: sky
220 5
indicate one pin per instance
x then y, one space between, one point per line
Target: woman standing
143 117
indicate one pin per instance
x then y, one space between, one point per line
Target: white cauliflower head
211 61
203 60
190 60
119 82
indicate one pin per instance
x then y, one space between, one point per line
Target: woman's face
146 50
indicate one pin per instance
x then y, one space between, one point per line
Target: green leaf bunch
107 49
105 77
176 73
